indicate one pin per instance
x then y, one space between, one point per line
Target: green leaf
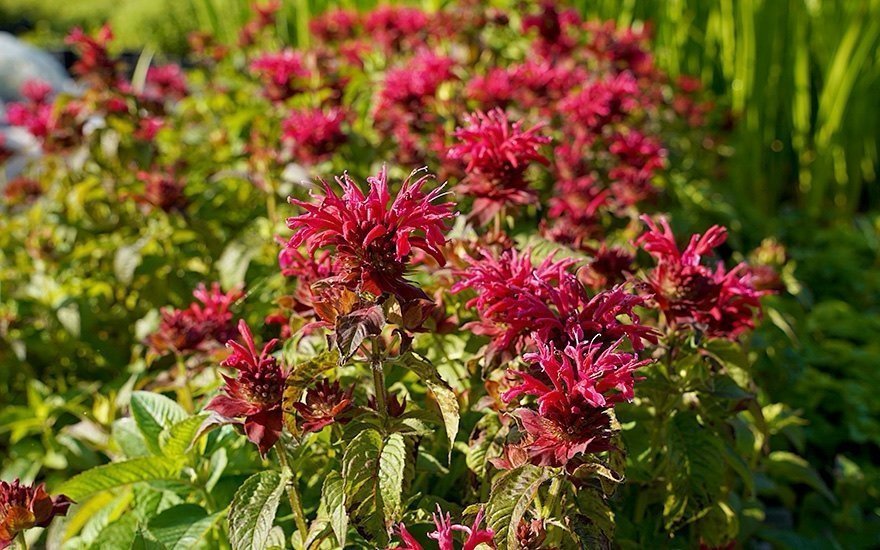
392 467
154 413
484 438
276 539
792 468
594 526
443 393
111 476
177 440
182 527
360 472
253 508
512 494
334 501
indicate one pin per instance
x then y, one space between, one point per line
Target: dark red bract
23 507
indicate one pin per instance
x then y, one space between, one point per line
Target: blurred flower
335 25
23 507
256 393
609 266
204 324
283 73
393 27
554 29
496 153
313 134
94 62
530 534
22 190
264 16
165 83
373 235
148 128
162 190
325 403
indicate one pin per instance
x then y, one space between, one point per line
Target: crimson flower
554 29
335 25
723 303
162 190
496 154
256 393
599 103
444 533
569 428
23 507
165 83
198 327
94 59
282 73
395 26
601 376
313 134
374 235
324 404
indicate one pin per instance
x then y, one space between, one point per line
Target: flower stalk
293 495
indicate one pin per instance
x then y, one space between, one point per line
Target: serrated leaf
511 495
111 476
360 472
276 539
443 393
334 501
594 526
154 413
182 527
253 509
129 438
792 468
177 440
484 438
392 467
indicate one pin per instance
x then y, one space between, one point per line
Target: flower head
445 530
165 83
374 236
282 73
313 134
94 59
496 154
724 303
256 393
395 26
202 325
162 190
23 507
324 404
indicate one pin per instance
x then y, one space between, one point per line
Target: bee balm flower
23 507
256 393
374 235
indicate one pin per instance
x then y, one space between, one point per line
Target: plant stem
184 393
554 497
293 494
20 543
378 379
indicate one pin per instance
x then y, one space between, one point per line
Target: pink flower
162 190
395 26
148 128
204 324
374 235
36 91
601 376
555 36
94 60
411 85
264 16
313 134
445 533
600 103
165 83
724 303
335 25
23 507
573 214
496 154
283 73
568 429
639 157
256 393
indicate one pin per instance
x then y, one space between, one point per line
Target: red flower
724 303
374 235
639 158
23 507
553 26
264 16
335 25
283 73
496 153
256 393
162 190
518 304
568 428
396 26
94 60
202 325
600 103
35 113
22 190
324 404
573 215
148 128
444 534
601 376
313 134
165 83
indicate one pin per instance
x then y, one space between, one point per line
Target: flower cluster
283 73
23 507
374 236
313 134
162 190
35 113
496 154
720 302
95 63
571 343
203 325
256 393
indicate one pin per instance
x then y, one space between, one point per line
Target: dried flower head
23 507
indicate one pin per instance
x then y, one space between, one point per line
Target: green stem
554 497
293 494
20 543
184 392
379 379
